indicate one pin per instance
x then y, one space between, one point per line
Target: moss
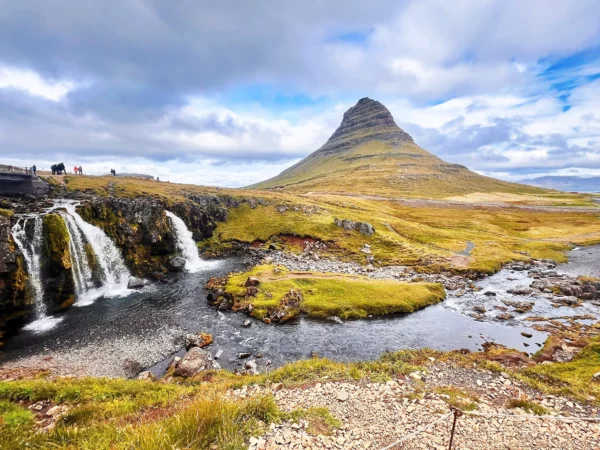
324 295
56 240
6 212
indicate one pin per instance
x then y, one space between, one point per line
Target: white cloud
34 84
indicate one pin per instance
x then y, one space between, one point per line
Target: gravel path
375 415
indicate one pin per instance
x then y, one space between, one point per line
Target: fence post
457 413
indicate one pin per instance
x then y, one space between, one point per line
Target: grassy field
325 295
196 414
429 237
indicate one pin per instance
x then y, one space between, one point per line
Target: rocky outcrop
195 361
14 304
58 282
143 231
364 228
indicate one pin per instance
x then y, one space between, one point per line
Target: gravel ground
375 415
119 357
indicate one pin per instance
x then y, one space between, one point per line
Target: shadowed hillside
370 154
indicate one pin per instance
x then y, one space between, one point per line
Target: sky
232 92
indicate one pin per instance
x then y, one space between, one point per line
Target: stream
122 335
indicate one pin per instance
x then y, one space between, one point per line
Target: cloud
500 86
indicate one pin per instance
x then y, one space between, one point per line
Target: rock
489 293
54 411
342 396
252 281
520 291
479 308
146 375
136 283
596 377
177 264
525 334
218 354
251 367
364 228
244 355
504 316
247 323
195 361
197 340
275 387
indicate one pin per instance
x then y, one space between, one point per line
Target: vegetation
528 406
59 282
325 295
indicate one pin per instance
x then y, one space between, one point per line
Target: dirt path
374 415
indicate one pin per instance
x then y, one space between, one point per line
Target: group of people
77 170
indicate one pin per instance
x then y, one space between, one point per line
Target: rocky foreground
375 415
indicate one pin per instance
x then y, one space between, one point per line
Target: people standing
75 170
80 171
33 169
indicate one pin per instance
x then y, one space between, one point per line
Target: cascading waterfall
32 253
113 272
186 245
82 274
31 248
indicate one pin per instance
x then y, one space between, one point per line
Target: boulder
252 282
136 283
195 361
177 264
363 228
504 316
197 340
596 377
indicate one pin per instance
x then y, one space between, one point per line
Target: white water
186 245
32 251
114 273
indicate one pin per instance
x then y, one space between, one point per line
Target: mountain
565 183
370 154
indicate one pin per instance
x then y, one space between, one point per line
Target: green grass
572 378
325 295
12 415
529 406
6 212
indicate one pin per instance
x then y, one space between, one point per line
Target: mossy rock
59 286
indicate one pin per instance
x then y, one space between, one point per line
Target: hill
370 154
566 183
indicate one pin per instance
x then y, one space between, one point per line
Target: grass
428 237
572 378
458 398
528 406
325 295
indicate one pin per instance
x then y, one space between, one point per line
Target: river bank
122 336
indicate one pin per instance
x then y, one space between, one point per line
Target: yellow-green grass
528 405
196 414
427 236
572 378
325 295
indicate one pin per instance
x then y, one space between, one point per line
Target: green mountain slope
370 155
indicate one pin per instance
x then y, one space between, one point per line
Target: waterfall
113 272
186 244
32 253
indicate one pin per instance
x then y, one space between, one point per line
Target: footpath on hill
376 415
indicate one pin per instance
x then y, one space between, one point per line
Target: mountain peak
368 115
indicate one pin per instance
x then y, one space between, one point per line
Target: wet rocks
504 316
200 340
521 290
146 376
525 334
195 361
246 323
177 264
58 281
479 308
363 228
136 283
520 307
252 282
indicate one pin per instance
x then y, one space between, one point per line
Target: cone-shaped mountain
370 155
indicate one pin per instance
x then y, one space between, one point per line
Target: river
121 335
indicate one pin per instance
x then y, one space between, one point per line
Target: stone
54 411
251 367
479 308
218 354
197 340
525 334
489 293
504 316
177 264
363 228
596 377
252 281
146 375
244 355
136 283
195 361
342 396
247 323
